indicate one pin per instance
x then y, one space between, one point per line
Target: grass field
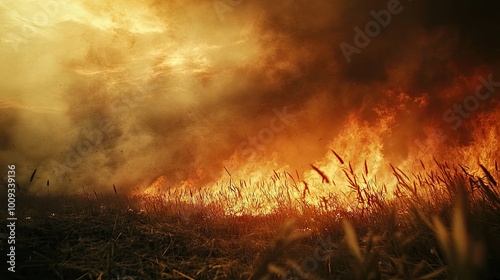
442 224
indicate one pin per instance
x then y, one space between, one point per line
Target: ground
114 236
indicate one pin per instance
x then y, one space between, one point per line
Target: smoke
122 92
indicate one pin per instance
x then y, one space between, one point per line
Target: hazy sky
101 92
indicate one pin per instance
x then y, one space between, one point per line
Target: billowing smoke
120 92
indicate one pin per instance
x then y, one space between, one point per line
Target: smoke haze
96 93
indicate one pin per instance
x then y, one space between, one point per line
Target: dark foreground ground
454 235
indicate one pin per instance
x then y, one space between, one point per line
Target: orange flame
356 163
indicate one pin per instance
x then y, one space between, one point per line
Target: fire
155 186
356 165
253 110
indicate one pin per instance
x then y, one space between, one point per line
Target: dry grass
444 224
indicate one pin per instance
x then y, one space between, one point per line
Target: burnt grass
108 236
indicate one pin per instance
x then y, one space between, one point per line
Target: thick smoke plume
96 93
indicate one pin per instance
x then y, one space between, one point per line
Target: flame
356 164
181 84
